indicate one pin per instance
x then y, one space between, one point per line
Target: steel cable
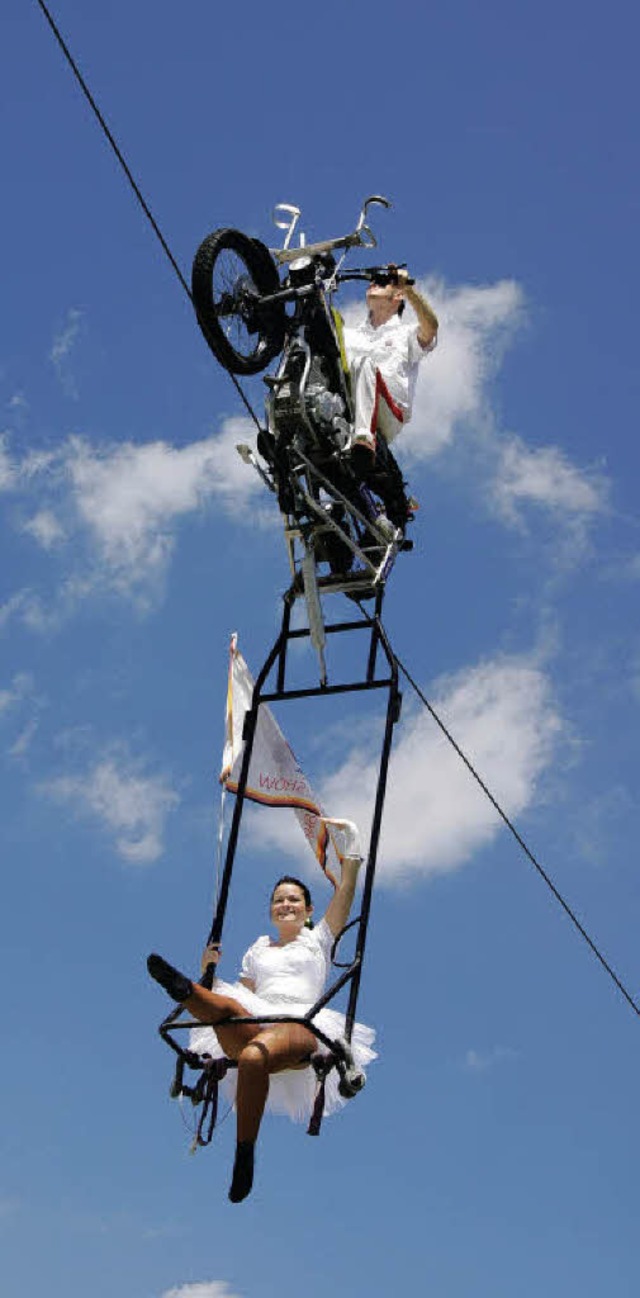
136 189
165 246
519 839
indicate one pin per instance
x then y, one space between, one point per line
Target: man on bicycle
384 354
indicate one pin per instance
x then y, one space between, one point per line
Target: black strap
207 1093
322 1063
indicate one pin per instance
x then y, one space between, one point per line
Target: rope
135 187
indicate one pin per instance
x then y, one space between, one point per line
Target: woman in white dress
283 975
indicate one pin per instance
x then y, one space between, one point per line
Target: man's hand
402 278
427 318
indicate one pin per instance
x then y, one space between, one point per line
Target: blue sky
494 1150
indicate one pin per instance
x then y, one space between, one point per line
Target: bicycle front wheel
231 274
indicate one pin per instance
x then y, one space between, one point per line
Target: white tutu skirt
292 1091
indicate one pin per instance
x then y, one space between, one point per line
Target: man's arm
427 318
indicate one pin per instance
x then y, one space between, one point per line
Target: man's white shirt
394 350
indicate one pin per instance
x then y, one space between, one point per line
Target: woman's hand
351 845
210 956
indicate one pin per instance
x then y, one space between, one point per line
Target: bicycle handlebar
370 272
362 236
297 291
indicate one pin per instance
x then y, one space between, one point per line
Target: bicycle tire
231 273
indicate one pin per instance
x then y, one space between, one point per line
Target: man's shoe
362 453
364 439
178 987
389 532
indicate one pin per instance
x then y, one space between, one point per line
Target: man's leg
385 478
378 420
374 402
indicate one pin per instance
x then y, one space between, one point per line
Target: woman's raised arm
339 908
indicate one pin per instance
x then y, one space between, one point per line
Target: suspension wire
519 839
145 207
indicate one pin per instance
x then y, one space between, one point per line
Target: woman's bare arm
339 907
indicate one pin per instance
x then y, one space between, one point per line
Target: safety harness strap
206 1093
322 1064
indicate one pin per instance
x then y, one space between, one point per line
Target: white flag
275 777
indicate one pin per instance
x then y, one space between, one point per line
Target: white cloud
477 323
436 817
128 803
480 1061
546 477
22 744
7 469
631 569
454 398
131 498
20 688
18 402
201 1289
27 607
17 702
64 342
601 822
46 529
634 676
123 504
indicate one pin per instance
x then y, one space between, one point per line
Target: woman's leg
259 1051
211 1006
272 1049
207 1006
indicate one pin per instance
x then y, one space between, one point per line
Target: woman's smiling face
288 906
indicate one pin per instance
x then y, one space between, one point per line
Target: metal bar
373 647
250 723
323 690
393 708
278 652
335 491
316 509
284 638
215 933
305 1020
298 633
329 1042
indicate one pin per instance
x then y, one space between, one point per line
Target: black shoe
362 459
176 984
267 445
242 1179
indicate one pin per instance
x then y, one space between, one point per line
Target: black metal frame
352 971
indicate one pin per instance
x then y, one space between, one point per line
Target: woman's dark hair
290 878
